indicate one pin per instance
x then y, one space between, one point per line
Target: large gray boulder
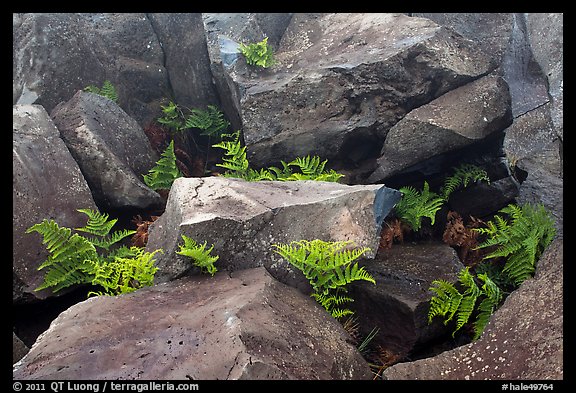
398 304
523 340
111 149
125 48
243 219
459 118
47 184
342 80
246 325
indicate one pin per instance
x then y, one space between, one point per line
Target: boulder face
344 79
243 326
111 149
457 119
398 304
243 219
523 340
47 184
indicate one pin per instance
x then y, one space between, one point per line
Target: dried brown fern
462 238
140 238
391 230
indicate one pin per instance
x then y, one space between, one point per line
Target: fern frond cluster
163 174
329 267
172 117
108 90
520 240
449 302
210 122
463 175
75 259
199 254
258 53
237 165
415 205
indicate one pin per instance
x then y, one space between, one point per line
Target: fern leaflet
108 90
165 172
463 175
200 256
415 205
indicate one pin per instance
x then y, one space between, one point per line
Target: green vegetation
237 165
258 53
210 122
200 256
108 90
75 259
164 172
520 240
463 175
329 267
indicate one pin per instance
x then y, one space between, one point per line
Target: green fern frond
258 53
487 305
172 117
211 121
108 90
200 256
469 298
463 175
415 205
446 301
98 223
163 174
235 160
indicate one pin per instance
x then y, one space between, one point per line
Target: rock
398 304
244 326
491 31
457 119
111 149
343 80
243 219
523 340
125 48
19 349
47 184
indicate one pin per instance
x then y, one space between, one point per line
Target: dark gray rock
398 304
244 326
243 219
47 184
345 79
523 340
111 149
19 349
459 118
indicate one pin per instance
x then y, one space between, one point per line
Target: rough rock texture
459 118
125 48
47 183
342 80
111 149
398 303
19 349
243 219
523 340
243 326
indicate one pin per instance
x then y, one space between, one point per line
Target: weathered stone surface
491 31
47 183
459 118
243 219
19 349
125 48
398 303
111 149
244 326
345 79
523 340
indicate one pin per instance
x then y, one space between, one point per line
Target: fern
108 90
463 175
200 256
258 53
165 172
74 260
520 240
415 205
211 121
448 301
172 117
328 266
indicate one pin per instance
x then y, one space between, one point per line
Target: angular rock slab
343 78
244 326
523 340
47 183
111 149
457 119
398 304
243 219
